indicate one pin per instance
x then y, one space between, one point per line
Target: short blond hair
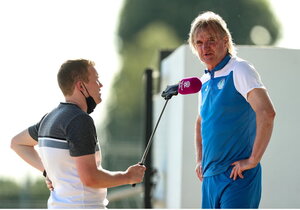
216 23
72 71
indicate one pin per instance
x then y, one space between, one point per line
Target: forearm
108 179
97 177
265 115
264 128
198 149
198 141
29 155
23 145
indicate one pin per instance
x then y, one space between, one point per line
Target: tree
241 17
29 195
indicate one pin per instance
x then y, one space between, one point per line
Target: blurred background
123 37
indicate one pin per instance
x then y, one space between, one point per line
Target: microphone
189 85
186 86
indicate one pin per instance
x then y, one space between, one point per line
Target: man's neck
76 100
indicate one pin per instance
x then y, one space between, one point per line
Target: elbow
90 181
13 143
271 114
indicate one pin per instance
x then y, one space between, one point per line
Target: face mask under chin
91 104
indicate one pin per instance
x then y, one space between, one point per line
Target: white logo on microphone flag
184 84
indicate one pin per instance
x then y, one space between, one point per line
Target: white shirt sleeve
246 78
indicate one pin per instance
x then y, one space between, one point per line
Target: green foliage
240 16
128 85
9 190
125 143
28 195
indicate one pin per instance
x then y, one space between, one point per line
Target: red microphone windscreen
189 85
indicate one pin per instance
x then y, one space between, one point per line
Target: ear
79 86
226 40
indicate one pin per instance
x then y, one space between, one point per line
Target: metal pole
148 129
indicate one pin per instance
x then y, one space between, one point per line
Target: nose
206 45
100 84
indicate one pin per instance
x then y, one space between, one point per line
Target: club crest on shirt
221 84
206 89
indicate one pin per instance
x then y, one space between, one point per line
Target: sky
37 36
287 12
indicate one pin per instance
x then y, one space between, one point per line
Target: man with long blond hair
235 122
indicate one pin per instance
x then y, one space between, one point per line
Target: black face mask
90 102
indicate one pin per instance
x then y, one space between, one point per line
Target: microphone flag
189 85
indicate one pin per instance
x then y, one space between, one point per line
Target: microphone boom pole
167 94
142 162
152 134
186 86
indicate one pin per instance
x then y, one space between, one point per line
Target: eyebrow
209 38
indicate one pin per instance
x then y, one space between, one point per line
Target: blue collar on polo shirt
219 66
